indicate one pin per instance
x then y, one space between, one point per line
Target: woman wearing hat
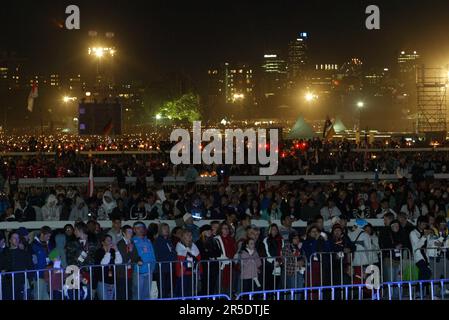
209 252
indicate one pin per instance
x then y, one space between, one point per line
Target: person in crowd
40 248
191 226
374 256
413 210
286 227
55 276
395 240
51 211
314 248
209 253
227 247
60 243
215 226
130 256
107 256
363 252
106 208
81 253
273 244
116 231
24 211
79 211
437 246
176 235
343 249
406 226
166 258
240 232
69 232
250 266
120 212
310 210
418 239
188 264
384 209
143 274
295 264
14 259
330 210
138 211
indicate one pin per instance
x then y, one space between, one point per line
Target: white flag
91 182
33 95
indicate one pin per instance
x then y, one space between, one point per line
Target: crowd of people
414 212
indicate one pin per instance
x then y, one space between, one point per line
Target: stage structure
431 92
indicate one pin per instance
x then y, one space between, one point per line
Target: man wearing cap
192 227
143 273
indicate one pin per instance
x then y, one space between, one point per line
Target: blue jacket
40 260
146 253
311 246
165 252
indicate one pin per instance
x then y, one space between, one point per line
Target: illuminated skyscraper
297 57
274 71
407 63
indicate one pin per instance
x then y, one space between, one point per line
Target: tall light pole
360 106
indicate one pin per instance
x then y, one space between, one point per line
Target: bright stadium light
310 96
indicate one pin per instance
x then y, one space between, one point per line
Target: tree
184 108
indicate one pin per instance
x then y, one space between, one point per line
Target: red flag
33 95
90 188
108 128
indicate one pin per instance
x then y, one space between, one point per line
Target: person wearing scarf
188 263
228 249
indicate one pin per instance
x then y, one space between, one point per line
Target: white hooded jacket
51 211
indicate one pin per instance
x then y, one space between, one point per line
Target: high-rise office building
231 84
273 77
407 63
322 78
297 57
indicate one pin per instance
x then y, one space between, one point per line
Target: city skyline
154 38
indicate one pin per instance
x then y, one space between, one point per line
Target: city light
88 94
360 104
238 96
100 52
310 96
66 99
158 116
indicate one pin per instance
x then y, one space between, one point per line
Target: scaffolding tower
431 92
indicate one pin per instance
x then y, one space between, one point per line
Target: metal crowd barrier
415 291
325 275
339 268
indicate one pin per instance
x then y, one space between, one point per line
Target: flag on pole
91 181
33 95
108 128
328 131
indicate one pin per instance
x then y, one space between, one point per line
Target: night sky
188 36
